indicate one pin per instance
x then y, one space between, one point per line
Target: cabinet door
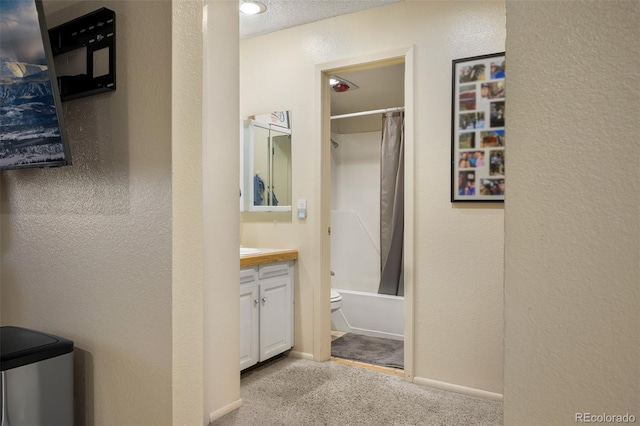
275 316
249 324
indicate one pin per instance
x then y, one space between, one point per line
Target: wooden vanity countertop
268 256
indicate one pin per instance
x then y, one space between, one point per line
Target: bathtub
371 314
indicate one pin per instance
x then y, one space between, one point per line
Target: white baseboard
301 355
458 389
225 410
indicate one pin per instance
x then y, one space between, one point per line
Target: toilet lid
335 295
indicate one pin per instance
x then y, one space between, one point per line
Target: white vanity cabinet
266 311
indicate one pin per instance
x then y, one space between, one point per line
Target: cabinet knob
255 302
264 300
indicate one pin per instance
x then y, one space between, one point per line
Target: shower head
334 143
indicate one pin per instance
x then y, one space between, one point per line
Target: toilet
336 300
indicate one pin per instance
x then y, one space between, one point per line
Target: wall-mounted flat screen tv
32 132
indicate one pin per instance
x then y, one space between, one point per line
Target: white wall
459 249
355 212
220 172
187 213
86 249
572 244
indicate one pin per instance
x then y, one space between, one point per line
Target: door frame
322 299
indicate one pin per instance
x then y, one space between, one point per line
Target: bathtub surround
291 391
367 188
360 313
355 213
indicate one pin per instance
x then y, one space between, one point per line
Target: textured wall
572 244
220 171
86 249
186 209
459 249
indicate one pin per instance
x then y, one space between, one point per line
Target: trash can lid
21 346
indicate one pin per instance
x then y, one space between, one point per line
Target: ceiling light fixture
252 7
340 85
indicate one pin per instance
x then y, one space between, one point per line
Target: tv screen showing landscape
31 129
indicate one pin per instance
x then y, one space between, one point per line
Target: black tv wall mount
84 52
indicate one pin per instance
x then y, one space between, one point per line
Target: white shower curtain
392 204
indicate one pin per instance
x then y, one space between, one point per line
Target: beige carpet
289 391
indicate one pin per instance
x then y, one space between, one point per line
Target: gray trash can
37 378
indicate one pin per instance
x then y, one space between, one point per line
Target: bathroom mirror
266 163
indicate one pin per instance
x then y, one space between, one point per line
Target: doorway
350 149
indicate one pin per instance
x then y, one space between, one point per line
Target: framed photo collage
478 129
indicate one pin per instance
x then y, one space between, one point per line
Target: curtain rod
375 111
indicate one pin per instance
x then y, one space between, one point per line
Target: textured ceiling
281 14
